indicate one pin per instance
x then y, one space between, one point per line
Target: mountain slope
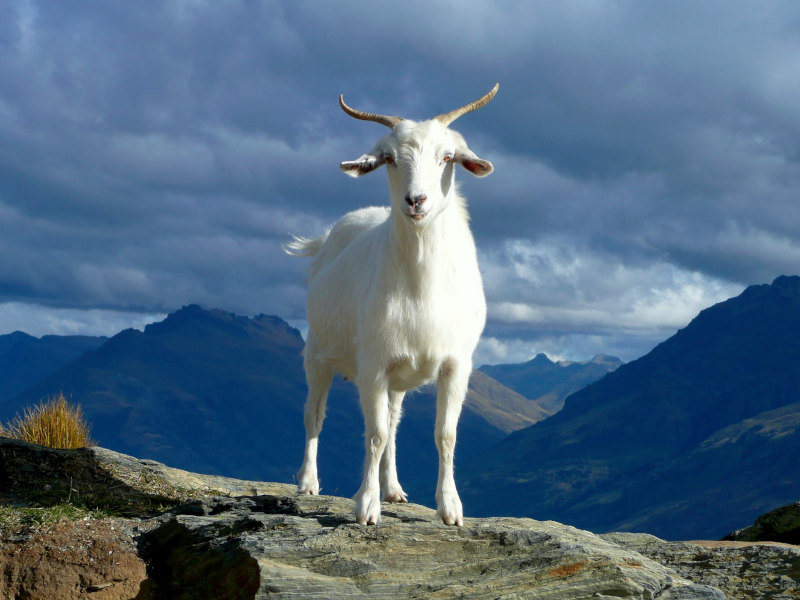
186 386
501 406
549 383
26 360
680 443
201 381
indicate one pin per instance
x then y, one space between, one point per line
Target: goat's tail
302 246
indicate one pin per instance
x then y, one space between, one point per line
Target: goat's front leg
392 491
451 389
374 398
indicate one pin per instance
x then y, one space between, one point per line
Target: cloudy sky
156 154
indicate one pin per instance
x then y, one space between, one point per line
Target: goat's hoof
369 518
451 512
368 509
400 497
453 520
308 489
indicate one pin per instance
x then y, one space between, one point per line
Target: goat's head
420 158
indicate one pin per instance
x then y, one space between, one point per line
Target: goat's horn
365 116
448 118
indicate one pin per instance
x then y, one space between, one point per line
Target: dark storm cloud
157 154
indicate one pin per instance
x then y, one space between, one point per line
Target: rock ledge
190 536
310 546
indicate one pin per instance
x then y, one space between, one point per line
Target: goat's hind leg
318 377
392 491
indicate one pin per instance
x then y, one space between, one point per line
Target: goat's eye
389 159
447 158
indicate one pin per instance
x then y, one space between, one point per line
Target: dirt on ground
87 559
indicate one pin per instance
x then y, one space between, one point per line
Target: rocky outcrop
185 535
779 525
742 570
310 547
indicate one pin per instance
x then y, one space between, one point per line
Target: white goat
395 301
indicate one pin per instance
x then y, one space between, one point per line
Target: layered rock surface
740 569
311 547
211 537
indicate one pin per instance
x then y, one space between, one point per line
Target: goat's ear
362 165
473 164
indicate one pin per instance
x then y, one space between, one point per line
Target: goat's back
344 231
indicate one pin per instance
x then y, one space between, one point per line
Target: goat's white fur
395 301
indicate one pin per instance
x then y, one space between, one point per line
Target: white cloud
552 291
38 320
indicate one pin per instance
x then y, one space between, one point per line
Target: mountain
779 525
185 386
26 360
689 441
205 380
549 383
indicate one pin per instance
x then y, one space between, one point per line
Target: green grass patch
16 519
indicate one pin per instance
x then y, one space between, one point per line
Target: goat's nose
415 200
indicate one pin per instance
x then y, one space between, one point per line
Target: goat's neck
422 252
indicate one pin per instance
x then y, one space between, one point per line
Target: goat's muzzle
416 211
415 201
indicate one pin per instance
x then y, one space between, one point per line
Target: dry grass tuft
56 424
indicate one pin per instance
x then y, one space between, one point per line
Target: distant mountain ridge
25 360
202 380
548 383
184 387
699 435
